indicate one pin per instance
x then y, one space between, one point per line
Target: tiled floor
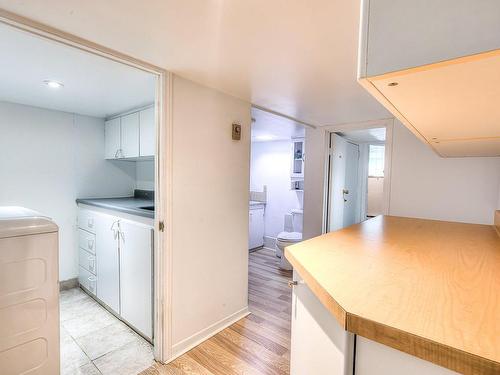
94 342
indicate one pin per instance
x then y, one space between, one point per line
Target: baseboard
196 339
269 242
68 284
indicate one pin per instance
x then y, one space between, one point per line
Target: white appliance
29 293
285 238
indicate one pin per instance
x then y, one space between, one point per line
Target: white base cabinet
120 271
320 346
136 275
256 227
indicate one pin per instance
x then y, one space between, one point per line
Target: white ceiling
294 57
365 135
93 85
269 127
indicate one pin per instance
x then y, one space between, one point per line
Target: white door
108 274
147 132
136 275
350 192
130 135
112 139
256 228
338 146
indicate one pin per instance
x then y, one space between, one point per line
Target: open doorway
356 164
79 145
278 151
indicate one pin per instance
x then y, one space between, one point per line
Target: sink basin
149 208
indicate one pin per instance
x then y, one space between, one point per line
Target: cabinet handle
90 222
116 153
292 283
90 244
91 260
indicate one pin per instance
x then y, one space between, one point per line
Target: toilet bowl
284 239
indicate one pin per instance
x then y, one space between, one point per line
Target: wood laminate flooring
257 344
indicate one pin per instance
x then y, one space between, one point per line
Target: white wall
145 175
422 184
50 158
210 212
455 189
270 165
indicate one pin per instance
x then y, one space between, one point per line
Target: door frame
163 167
388 124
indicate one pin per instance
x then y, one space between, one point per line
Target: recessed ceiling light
393 84
53 84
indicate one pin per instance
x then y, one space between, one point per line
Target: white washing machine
29 293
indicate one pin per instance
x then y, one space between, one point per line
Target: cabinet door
108 274
130 136
256 230
112 138
319 344
136 276
147 132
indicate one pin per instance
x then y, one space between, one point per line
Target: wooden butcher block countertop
428 288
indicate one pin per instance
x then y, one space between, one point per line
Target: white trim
163 165
189 343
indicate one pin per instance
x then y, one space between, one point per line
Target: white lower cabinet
256 227
319 346
136 271
108 261
120 273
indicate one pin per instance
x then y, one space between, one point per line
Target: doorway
356 168
72 102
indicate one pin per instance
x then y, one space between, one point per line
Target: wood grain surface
256 344
428 288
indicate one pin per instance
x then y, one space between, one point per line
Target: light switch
236 132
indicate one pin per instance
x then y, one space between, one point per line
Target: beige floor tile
71 355
128 360
107 339
92 321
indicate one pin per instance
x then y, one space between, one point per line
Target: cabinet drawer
86 241
87 261
86 220
87 280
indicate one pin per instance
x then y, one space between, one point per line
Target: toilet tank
29 293
297 220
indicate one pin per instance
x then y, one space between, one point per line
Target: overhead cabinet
435 66
130 136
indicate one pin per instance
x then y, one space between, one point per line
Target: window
376 161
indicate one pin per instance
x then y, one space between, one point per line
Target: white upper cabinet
112 143
147 132
434 65
131 136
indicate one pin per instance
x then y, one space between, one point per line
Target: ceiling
270 127
93 85
294 57
365 135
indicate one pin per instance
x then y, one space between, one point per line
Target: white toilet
288 238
